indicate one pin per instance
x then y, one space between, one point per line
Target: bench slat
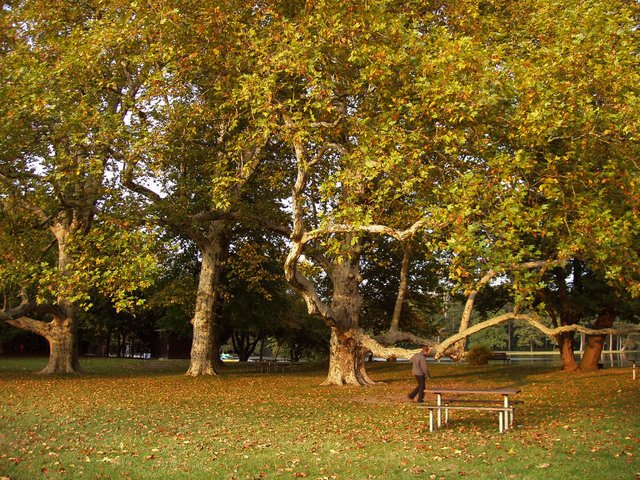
470 400
458 407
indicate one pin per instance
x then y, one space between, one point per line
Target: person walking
421 371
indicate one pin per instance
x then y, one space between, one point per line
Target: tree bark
346 360
565 345
346 353
62 338
595 343
214 252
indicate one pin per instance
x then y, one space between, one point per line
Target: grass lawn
143 419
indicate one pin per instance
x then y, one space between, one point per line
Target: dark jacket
419 363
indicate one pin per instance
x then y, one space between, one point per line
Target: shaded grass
146 420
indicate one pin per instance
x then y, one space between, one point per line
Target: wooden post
634 370
431 420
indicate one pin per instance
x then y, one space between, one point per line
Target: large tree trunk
565 344
595 343
62 335
205 324
346 354
346 361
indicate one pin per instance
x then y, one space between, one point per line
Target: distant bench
501 356
274 366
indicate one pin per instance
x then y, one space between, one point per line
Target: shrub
479 355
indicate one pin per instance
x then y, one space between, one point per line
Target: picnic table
501 356
503 405
275 366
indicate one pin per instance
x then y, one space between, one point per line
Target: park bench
505 414
274 366
501 356
502 405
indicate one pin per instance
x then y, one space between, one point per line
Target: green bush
479 355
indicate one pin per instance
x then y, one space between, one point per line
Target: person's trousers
419 390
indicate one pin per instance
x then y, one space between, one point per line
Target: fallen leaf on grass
544 465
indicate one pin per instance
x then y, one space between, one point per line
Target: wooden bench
273 366
447 395
449 401
505 414
501 356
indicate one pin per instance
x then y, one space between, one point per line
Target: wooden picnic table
505 410
274 365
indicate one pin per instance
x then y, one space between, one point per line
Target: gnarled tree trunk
565 344
346 354
214 252
63 346
62 335
62 332
595 343
346 360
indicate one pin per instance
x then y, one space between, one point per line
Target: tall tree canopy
64 95
496 141
557 177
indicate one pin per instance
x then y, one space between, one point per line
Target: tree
324 123
547 192
201 144
63 94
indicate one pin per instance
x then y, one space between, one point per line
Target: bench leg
431 420
501 421
446 416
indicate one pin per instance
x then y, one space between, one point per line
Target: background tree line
170 160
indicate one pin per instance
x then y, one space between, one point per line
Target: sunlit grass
145 420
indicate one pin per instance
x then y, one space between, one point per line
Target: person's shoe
420 401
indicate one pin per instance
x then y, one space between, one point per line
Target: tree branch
471 296
314 304
402 288
444 346
400 235
30 325
127 180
